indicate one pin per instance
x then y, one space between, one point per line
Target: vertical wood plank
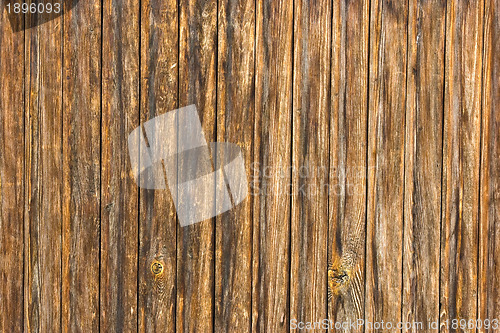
197 85
273 127
235 124
348 160
310 164
159 94
81 167
43 215
423 161
11 173
461 158
387 108
489 265
119 193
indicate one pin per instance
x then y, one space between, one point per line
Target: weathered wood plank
348 160
197 85
235 124
43 213
310 160
159 94
423 161
461 157
489 253
119 193
272 143
81 167
12 161
387 109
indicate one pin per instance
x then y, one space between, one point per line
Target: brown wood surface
81 134
461 158
12 175
348 161
489 267
197 85
235 123
157 219
310 162
423 161
371 140
43 214
386 142
272 147
119 194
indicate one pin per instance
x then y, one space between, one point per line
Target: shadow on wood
46 10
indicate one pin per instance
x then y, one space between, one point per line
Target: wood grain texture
272 142
235 124
12 188
371 138
43 212
489 267
81 167
119 192
197 85
157 227
387 111
310 160
461 158
348 161
423 161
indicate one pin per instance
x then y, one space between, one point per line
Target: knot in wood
156 268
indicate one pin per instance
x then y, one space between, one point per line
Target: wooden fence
371 136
